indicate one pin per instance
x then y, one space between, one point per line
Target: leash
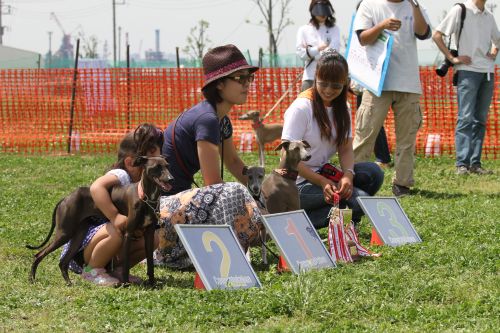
287 91
267 247
148 202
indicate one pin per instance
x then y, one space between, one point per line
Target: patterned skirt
225 203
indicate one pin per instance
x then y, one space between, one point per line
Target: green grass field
448 283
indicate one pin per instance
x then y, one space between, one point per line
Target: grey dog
279 188
138 201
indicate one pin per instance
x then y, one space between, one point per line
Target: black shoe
480 171
400 191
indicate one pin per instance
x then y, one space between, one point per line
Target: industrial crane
66 49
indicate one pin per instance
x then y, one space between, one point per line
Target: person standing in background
475 64
320 33
407 22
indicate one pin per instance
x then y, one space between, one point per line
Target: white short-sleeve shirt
299 124
403 72
122 175
309 35
479 32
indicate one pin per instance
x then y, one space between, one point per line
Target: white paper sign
368 64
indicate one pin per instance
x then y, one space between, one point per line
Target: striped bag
341 238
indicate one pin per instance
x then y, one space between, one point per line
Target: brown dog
264 132
279 188
139 202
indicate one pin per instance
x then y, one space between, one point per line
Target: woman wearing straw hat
198 140
202 136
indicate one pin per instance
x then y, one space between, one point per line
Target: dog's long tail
31 247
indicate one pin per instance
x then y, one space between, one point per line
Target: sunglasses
333 85
242 79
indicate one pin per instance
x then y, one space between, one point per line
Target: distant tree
268 9
197 41
89 45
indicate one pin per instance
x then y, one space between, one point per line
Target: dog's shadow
183 279
437 195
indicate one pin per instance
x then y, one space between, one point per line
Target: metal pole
129 93
1 27
177 57
119 44
73 94
50 49
114 33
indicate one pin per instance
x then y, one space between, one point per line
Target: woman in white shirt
321 117
319 34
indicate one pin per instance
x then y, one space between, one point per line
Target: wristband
351 171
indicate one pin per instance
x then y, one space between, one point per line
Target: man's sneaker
480 171
118 273
462 170
99 277
400 191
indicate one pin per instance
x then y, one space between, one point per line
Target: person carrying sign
407 21
475 65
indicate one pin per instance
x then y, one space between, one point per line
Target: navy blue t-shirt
200 123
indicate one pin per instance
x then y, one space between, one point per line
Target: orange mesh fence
36 117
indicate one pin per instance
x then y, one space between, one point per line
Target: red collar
256 125
285 173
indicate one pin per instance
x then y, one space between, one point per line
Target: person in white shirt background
320 33
406 21
475 64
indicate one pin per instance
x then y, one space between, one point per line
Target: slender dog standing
279 188
138 201
264 133
255 176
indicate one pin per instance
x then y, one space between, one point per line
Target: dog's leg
125 255
263 250
76 241
261 154
59 240
149 240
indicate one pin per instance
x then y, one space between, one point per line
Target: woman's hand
345 187
329 189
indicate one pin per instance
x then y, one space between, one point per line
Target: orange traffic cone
198 284
376 240
282 266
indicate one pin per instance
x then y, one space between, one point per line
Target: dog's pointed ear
245 170
306 144
283 144
140 161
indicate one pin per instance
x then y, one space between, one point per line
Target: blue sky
29 22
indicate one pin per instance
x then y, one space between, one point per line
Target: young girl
319 34
104 240
320 116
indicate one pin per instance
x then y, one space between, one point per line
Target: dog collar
257 125
285 173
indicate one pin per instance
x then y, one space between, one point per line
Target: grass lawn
450 282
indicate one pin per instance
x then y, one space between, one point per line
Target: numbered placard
298 241
389 219
217 256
